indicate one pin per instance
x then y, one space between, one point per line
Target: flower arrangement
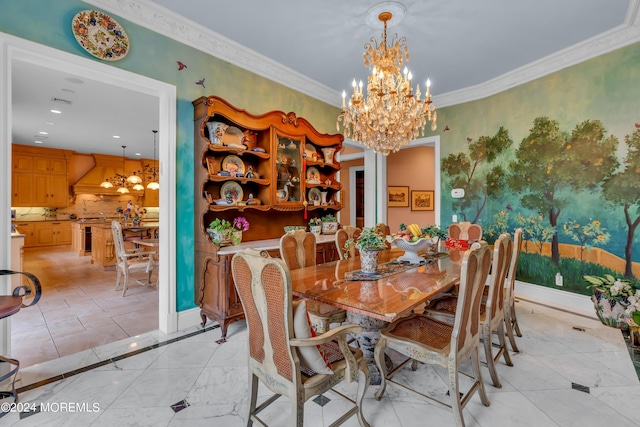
621 288
413 232
240 223
633 310
614 299
316 221
220 225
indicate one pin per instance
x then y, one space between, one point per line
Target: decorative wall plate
313 175
233 164
100 35
315 196
231 190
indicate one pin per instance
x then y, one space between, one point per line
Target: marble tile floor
571 371
79 308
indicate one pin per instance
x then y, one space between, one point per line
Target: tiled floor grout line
112 360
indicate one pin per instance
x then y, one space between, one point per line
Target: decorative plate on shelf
313 175
232 164
100 35
311 152
314 196
231 190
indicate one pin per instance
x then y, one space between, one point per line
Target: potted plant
369 244
329 224
220 231
315 225
239 225
611 298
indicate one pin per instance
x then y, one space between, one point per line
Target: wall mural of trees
541 185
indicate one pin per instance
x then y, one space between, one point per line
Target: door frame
16 49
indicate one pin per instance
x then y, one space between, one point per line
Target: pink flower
240 223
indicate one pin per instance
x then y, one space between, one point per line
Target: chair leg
503 345
378 355
253 397
488 354
514 321
454 393
363 383
126 281
509 330
118 277
475 364
297 409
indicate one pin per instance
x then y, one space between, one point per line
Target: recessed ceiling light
138 154
38 142
74 80
56 111
43 133
116 136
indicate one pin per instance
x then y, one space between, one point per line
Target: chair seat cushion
9 305
422 329
311 357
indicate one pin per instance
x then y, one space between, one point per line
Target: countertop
268 244
15 234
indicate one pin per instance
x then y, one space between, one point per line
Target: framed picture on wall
422 200
398 197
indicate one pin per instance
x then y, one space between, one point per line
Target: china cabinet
257 167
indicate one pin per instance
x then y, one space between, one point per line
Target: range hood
105 167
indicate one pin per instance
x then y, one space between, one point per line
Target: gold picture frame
398 197
422 200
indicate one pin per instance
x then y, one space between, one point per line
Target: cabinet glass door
288 170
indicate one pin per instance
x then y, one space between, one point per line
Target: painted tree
623 189
550 163
586 235
476 174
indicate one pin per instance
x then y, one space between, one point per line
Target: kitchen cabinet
39 177
253 166
52 233
28 229
80 239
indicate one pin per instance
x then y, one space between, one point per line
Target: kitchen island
103 251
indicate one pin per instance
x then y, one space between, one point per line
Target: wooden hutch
282 175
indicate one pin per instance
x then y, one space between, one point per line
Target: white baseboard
189 318
554 297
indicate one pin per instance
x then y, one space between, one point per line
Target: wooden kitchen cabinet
39 177
28 229
52 233
275 147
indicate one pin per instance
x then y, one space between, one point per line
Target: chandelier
391 116
122 181
153 185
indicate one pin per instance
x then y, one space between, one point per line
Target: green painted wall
155 56
605 88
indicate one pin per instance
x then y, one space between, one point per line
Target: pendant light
153 185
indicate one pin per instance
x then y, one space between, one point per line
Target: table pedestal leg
367 341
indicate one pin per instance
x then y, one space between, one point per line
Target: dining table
374 300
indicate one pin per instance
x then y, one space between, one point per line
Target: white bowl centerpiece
413 239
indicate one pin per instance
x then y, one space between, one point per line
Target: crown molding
163 21
167 23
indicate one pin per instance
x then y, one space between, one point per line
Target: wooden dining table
374 303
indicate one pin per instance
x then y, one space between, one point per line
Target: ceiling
456 44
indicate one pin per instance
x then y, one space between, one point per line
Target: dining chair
492 307
510 319
465 231
21 297
342 236
431 341
130 261
298 250
283 353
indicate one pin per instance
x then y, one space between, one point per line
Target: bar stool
10 305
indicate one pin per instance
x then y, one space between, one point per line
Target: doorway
17 49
